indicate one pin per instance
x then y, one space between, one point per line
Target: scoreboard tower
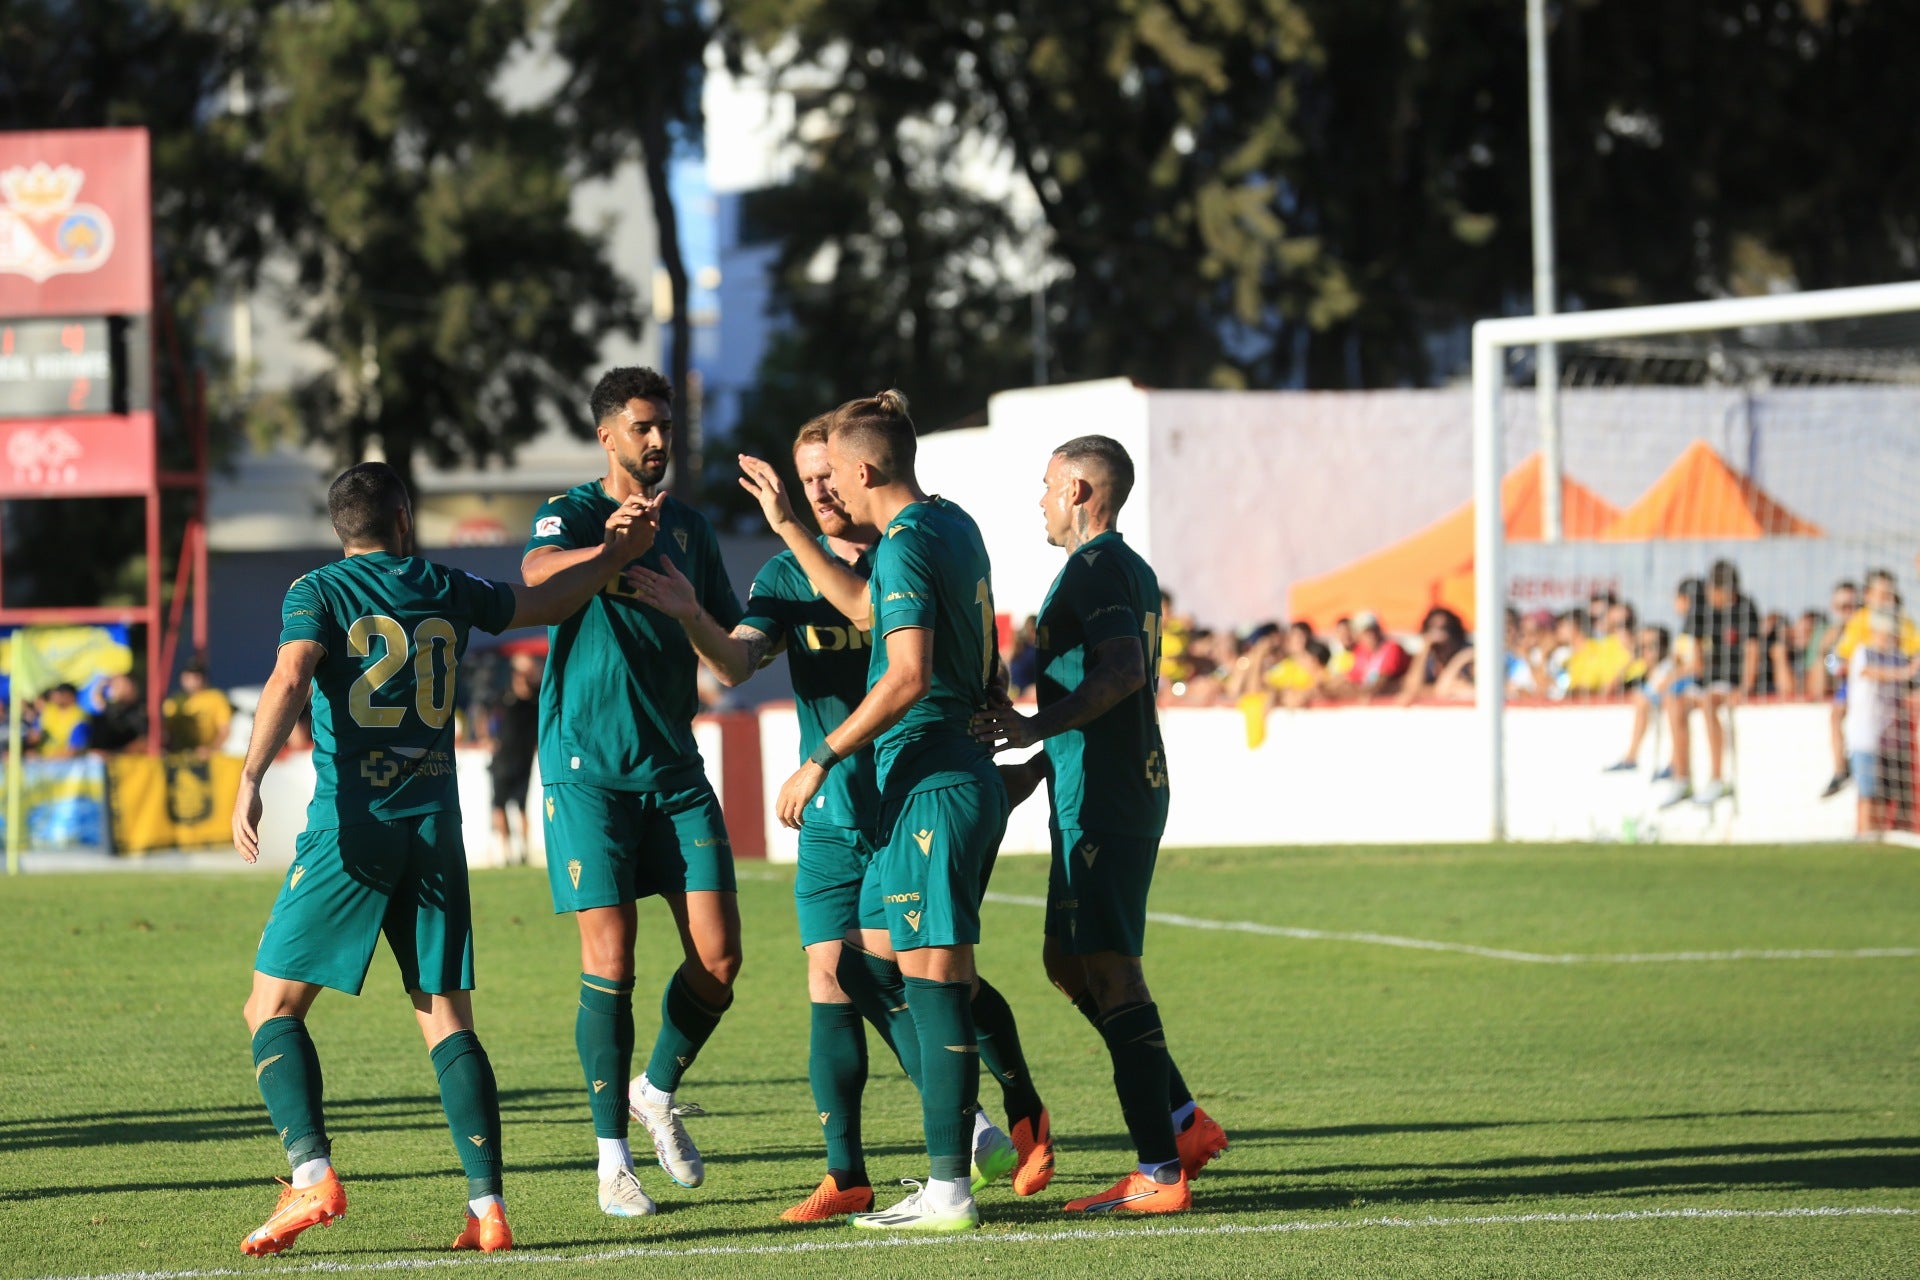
77 338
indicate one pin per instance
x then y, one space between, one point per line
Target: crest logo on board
45 230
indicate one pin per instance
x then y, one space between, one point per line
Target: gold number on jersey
433 633
990 634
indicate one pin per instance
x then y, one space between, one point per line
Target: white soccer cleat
621 1197
676 1151
915 1214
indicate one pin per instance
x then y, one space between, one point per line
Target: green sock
837 1070
603 1033
950 1067
1138 1046
999 1039
472 1102
1178 1095
686 1022
287 1069
877 991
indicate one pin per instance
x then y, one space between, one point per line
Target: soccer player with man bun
377 637
943 808
629 811
1106 772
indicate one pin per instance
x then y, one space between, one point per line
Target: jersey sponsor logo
834 639
913 919
680 536
379 770
547 527
903 897
1156 770
293 881
573 871
301 613
925 840
1088 852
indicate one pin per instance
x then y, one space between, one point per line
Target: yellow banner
180 801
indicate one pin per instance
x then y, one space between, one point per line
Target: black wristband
824 755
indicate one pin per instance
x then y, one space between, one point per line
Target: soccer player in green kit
377 637
943 807
827 654
628 807
1106 770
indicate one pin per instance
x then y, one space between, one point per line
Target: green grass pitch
1394 1111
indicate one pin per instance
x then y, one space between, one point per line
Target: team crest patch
680 536
573 869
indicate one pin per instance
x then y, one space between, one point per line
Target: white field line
1499 953
996 1239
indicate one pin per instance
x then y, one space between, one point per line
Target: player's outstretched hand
763 482
669 592
631 527
1003 728
246 820
796 793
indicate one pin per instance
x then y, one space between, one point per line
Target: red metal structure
77 351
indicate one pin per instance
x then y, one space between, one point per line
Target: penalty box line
995 1239
1500 953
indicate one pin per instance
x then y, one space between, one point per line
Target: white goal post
1493 343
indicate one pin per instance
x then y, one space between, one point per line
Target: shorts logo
1088 852
925 840
680 536
913 920
598 1085
824 1115
379 770
293 881
549 808
573 871
547 527
903 897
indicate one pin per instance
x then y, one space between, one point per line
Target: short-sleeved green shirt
619 696
930 571
827 657
394 629
1110 774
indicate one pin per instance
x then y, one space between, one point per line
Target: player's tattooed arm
1119 668
732 656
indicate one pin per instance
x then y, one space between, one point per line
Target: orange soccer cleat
1137 1193
829 1201
1035 1168
488 1233
1199 1142
319 1205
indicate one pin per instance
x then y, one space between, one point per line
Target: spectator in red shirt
1379 664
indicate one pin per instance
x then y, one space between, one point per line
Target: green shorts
606 848
826 887
405 877
938 847
1097 891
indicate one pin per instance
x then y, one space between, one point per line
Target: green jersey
827 657
930 571
619 696
1110 774
393 628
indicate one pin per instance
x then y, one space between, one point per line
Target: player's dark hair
1107 454
1724 575
364 504
628 382
878 430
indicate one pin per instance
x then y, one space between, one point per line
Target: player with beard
827 656
629 811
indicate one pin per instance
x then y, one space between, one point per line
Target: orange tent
1700 496
1435 565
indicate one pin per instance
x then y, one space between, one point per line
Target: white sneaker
993 1158
914 1214
621 1197
677 1153
1714 792
1678 790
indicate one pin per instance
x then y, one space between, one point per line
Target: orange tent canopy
1435 565
1700 496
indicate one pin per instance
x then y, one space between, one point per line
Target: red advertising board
77 457
76 231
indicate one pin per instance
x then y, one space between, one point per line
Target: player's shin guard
880 994
950 1073
1178 1095
1138 1046
999 1039
287 1068
686 1023
837 1070
603 1033
471 1101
